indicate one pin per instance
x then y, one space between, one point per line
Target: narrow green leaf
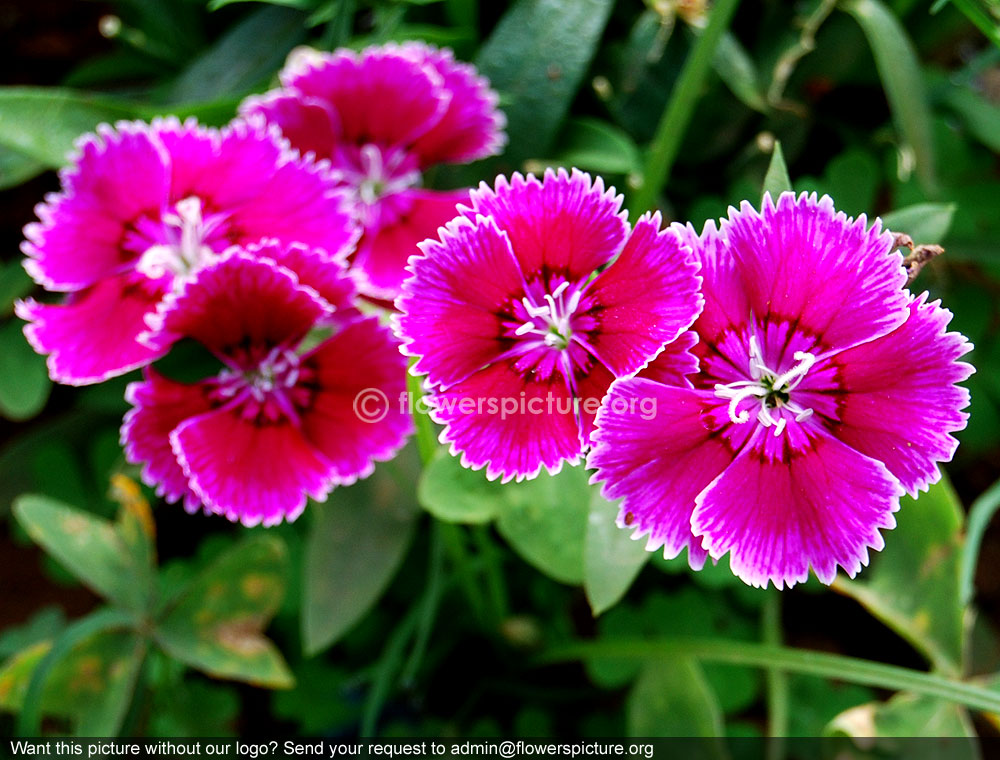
899 70
595 145
737 70
981 117
913 584
924 222
356 544
243 59
42 123
89 547
537 57
672 698
303 5
457 494
545 519
24 379
777 181
980 514
611 559
216 623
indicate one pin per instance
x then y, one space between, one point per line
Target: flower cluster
238 239
766 389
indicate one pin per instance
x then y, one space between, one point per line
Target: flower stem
680 107
777 680
787 659
426 437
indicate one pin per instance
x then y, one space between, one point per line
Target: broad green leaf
24 379
243 59
595 145
14 283
92 685
43 123
44 625
674 699
737 70
16 168
536 58
776 181
91 548
913 584
216 622
883 728
899 70
817 701
611 559
545 519
356 544
924 222
456 494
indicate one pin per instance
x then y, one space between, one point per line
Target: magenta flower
382 118
518 340
277 421
824 392
142 208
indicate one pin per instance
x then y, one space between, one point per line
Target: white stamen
188 252
553 320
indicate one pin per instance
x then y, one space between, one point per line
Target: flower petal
472 125
93 336
657 448
380 95
509 424
78 240
454 305
675 363
309 124
819 506
902 403
315 269
383 252
645 299
257 473
159 406
236 302
805 263
565 225
360 362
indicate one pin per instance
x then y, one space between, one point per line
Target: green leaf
674 699
537 57
93 549
913 584
215 624
304 5
17 168
737 70
43 123
356 544
595 145
924 222
611 559
24 379
244 58
545 519
777 181
980 115
456 494
92 685
880 724
14 283
899 70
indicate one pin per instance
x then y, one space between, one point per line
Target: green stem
803 46
29 720
677 115
980 514
495 584
777 680
462 568
787 659
428 605
425 435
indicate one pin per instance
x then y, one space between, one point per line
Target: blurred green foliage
369 616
